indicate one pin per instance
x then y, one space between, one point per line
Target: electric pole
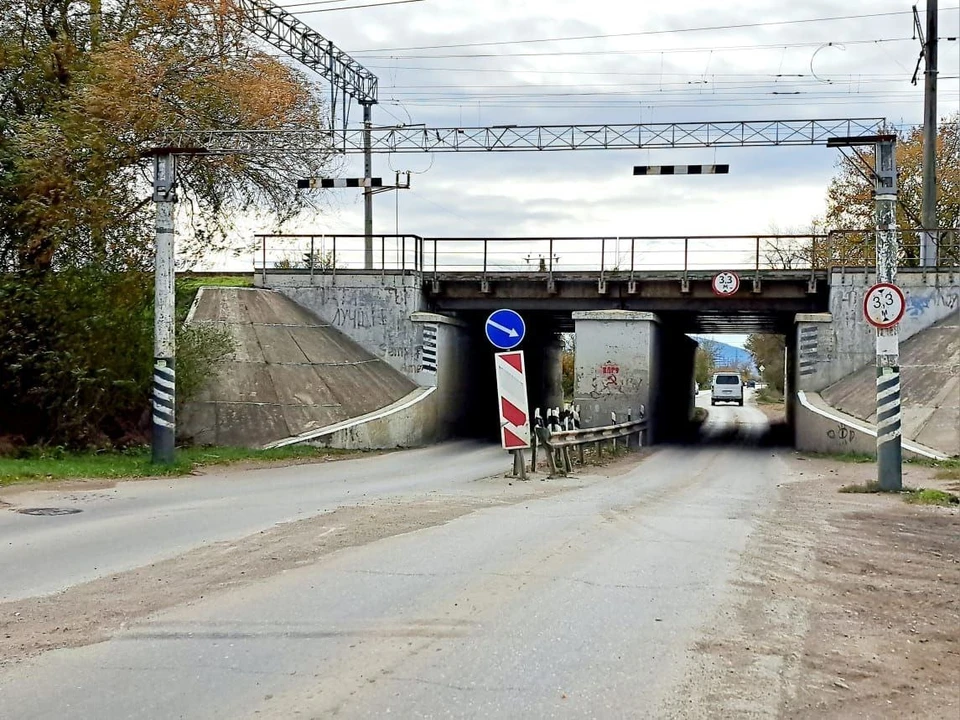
367 191
889 450
164 344
929 240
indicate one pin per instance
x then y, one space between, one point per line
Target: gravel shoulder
847 606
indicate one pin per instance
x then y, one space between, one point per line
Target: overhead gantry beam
299 41
527 138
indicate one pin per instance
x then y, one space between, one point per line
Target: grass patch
932 497
50 465
188 285
870 487
856 458
768 396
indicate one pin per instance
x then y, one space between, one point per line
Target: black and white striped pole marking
327 183
883 308
681 169
164 346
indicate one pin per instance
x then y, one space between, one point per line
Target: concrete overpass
630 300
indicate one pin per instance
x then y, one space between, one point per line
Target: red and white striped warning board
512 396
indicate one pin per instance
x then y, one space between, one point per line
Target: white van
727 387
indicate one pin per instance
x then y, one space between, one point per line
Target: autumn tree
850 200
86 90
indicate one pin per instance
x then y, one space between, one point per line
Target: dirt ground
846 606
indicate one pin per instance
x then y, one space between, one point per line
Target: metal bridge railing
610 257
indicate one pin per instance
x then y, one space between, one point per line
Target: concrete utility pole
929 242
367 191
164 343
889 452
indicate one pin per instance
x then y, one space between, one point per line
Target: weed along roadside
38 466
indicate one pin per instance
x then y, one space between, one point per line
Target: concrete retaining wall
830 350
371 310
821 428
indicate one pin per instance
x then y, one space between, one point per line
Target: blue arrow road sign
505 329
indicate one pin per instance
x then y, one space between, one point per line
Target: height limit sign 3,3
883 305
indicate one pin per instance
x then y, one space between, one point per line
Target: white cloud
665 77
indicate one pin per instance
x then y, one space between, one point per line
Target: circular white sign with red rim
883 305
725 283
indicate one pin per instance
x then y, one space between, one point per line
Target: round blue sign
505 329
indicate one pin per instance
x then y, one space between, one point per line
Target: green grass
851 457
187 286
932 497
56 465
767 396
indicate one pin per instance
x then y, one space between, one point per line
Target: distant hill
729 355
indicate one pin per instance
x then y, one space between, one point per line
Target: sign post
505 330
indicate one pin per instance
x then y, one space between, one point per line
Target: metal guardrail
616 258
559 442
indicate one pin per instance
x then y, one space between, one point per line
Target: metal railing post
603 253
550 264
686 256
633 242
383 256
756 272
403 254
312 260
334 263
263 268
435 260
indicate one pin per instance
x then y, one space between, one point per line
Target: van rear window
727 380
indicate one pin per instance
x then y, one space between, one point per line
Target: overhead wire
645 33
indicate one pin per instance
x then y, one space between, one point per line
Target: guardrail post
333 264
383 257
403 254
685 283
312 260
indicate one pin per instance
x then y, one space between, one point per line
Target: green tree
705 361
87 89
767 352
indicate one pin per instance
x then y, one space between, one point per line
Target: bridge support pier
617 365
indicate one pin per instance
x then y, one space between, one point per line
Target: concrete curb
415 397
863 427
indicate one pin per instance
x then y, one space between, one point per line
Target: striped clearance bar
681 169
314 183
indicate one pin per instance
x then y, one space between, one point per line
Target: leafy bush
77 357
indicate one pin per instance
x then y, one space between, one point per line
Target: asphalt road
136 523
730 422
586 603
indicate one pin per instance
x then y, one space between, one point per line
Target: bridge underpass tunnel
626 360
542 347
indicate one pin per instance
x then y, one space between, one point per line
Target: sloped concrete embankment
292 377
929 388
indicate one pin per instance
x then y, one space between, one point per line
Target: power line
643 33
650 51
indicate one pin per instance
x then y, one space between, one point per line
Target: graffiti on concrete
610 380
842 434
919 303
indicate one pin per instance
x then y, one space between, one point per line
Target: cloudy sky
693 60
539 62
